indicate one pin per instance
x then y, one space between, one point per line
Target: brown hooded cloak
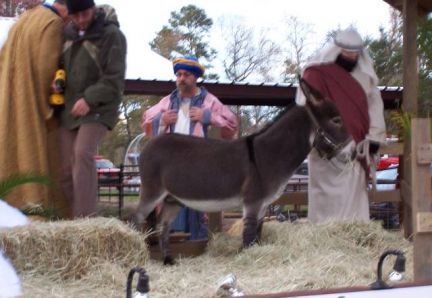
28 61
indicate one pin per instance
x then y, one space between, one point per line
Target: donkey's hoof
168 260
250 243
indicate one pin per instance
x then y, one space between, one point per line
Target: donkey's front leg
259 229
168 214
261 221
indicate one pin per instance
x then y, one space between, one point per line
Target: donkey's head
330 134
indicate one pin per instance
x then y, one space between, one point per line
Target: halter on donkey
214 175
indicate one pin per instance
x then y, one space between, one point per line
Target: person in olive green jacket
94 58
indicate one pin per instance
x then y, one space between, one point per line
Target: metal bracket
424 154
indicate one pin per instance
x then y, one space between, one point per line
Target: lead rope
362 151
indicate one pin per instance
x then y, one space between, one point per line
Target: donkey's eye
336 120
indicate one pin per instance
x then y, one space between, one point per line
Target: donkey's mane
250 138
281 113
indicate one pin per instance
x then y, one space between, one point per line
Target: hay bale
70 249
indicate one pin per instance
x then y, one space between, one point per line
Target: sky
140 20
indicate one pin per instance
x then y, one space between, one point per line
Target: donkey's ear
305 87
310 93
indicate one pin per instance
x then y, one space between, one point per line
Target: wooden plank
421 201
405 191
153 239
392 149
417 290
423 8
424 222
232 215
300 198
410 73
424 154
422 257
385 196
410 92
238 93
292 198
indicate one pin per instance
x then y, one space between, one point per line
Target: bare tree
249 56
13 8
298 47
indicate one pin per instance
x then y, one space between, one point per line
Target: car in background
108 173
387 212
299 180
131 177
387 161
387 179
131 183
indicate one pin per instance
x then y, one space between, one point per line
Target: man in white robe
343 72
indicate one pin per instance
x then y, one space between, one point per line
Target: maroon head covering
335 83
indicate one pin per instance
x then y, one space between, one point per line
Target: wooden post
410 83
421 198
410 72
416 187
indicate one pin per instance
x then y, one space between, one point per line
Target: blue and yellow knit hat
188 63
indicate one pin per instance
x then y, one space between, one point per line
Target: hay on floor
291 257
71 249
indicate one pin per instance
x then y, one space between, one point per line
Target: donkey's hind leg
252 227
167 216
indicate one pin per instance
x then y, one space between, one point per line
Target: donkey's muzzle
325 145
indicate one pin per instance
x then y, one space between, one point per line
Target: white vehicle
388 212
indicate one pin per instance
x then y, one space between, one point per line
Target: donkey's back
193 169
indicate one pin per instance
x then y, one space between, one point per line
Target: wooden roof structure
238 93
423 6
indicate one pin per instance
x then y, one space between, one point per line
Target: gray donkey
214 175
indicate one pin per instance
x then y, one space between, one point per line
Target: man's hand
196 114
169 117
80 108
